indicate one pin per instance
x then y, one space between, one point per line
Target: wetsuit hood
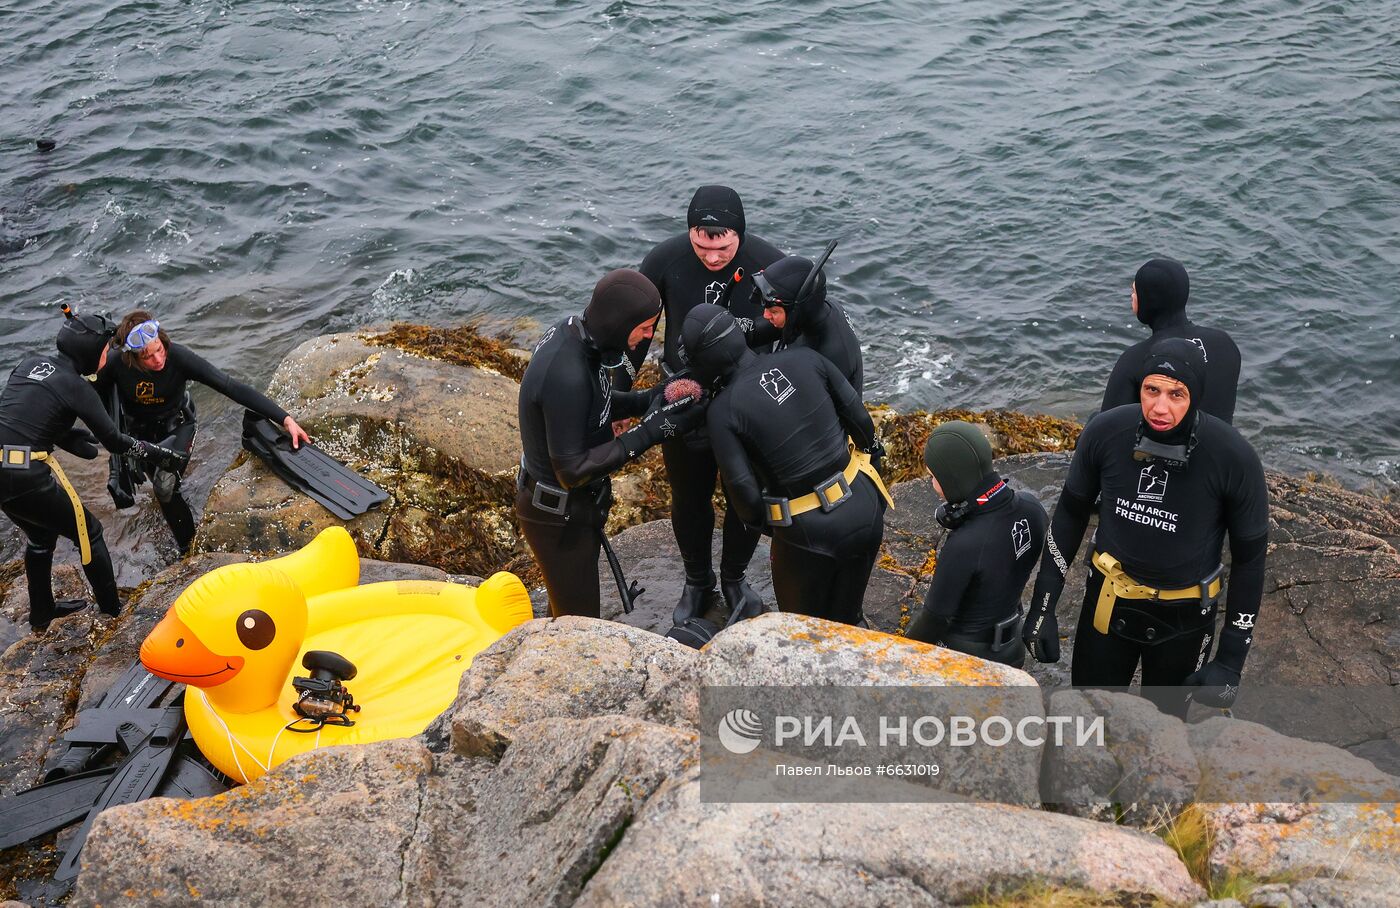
1182 360
717 207
1162 288
621 301
959 456
781 283
713 344
82 337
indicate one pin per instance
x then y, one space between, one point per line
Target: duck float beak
172 651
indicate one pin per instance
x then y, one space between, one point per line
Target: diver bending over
151 378
700 266
43 397
779 427
1174 481
995 536
567 408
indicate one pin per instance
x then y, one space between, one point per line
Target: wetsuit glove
661 422
157 456
78 442
1218 681
1041 632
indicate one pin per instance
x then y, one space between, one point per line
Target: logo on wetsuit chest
1202 345
776 384
41 371
713 292
1152 483
1021 536
146 392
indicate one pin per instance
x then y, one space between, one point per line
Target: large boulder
443 439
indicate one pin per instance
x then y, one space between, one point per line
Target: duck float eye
255 628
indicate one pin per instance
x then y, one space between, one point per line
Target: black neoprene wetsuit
1166 527
1222 365
567 407
156 406
41 400
982 570
828 330
779 428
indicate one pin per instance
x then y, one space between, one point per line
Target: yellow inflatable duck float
237 637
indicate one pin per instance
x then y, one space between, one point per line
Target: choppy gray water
259 172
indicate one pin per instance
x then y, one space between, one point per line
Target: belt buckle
784 507
16 457
999 639
837 478
1206 583
561 498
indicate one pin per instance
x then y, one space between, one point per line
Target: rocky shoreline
567 770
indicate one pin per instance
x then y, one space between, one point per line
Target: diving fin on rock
136 688
50 806
311 471
135 779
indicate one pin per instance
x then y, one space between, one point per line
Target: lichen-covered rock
442 439
683 851
571 668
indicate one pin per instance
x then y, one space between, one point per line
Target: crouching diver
1160 290
150 380
779 427
810 320
995 537
1174 480
707 264
567 407
40 401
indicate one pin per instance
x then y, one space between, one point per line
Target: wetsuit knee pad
165 483
33 550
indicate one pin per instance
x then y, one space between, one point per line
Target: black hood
621 301
82 337
717 207
713 344
1162 288
1182 360
785 277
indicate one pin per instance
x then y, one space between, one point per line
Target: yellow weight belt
831 492
1118 585
19 457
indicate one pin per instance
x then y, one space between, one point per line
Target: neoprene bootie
743 602
40 618
697 598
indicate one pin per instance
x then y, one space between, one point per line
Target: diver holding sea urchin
812 321
995 536
567 408
150 379
1160 290
1173 480
43 397
705 265
779 426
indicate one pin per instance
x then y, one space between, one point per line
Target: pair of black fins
311 471
161 761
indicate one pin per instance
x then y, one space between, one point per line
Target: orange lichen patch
463 345
917 659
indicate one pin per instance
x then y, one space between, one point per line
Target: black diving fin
121 481
135 779
50 806
136 689
311 471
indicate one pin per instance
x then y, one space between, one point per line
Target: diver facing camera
792 294
995 538
1172 481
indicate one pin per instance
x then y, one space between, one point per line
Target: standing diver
1174 480
567 407
150 377
779 427
40 401
1160 290
704 265
995 537
812 321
